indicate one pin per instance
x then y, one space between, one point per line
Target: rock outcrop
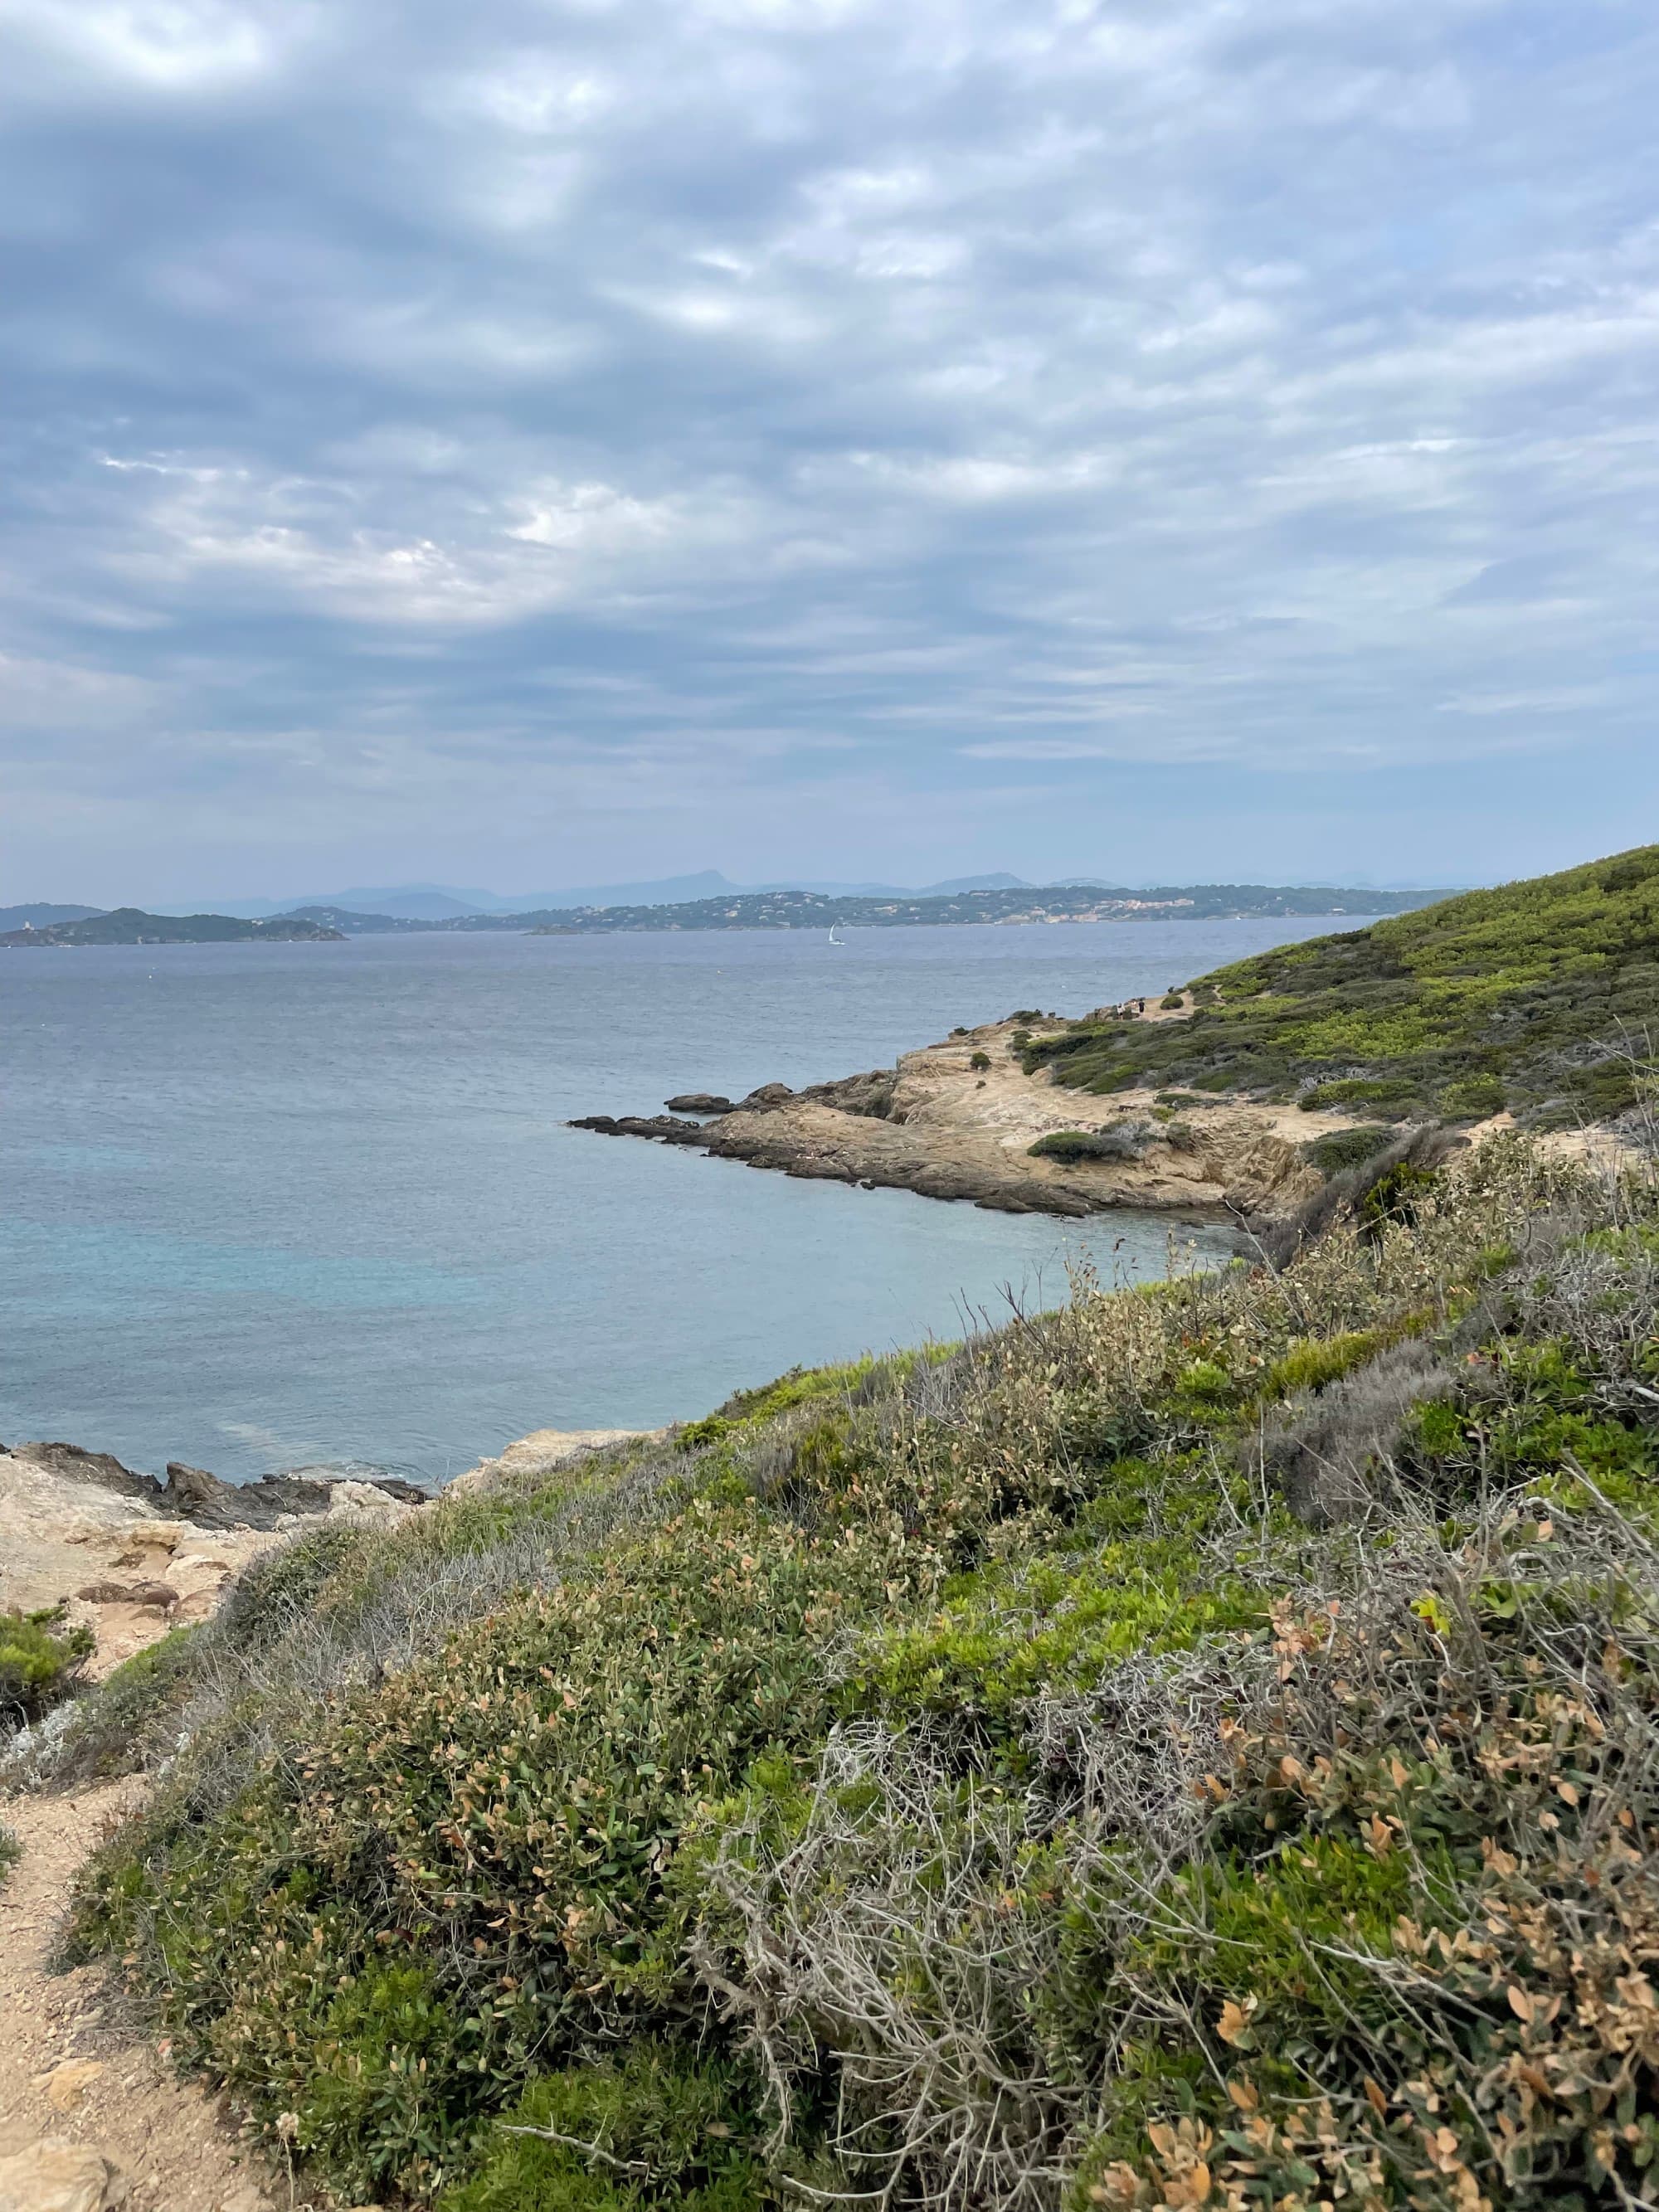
130 1557
958 1120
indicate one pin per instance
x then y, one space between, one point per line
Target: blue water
277 1206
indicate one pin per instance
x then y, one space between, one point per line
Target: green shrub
1172 1002
979 1061
10 1851
40 1661
1472 1098
1357 1091
660 2126
1395 1196
1348 1148
133 1711
1122 1140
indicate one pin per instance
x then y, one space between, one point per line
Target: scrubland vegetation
1537 996
1197 1748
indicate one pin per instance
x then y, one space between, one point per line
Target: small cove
275 1205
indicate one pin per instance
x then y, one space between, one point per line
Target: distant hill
130 924
443 902
41 915
818 909
1542 996
348 922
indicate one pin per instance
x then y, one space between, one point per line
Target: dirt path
91 2114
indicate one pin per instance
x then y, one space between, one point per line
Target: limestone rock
52 2176
66 2085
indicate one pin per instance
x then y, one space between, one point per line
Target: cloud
558 398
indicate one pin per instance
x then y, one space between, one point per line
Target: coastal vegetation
1197 1748
1538 996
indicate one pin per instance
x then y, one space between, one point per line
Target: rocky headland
958 1120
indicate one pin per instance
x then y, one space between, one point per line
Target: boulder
52 2176
67 2084
698 1102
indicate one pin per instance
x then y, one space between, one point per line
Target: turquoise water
275 1205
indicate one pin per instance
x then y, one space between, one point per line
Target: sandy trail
76 2073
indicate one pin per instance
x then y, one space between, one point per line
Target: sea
267 1206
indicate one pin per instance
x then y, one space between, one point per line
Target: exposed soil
79 2082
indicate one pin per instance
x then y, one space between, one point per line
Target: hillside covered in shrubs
1200 1746
1537 997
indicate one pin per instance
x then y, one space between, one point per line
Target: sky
543 441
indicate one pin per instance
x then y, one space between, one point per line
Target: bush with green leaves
1118 1140
40 1661
1348 1148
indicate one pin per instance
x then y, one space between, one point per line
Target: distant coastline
769 910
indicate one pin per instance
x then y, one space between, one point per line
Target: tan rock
539 1454
51 2175
66 2085
365 1503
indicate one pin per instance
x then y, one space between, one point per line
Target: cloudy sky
540 441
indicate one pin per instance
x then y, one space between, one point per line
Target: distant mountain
665 891
402 902
40 915
131 925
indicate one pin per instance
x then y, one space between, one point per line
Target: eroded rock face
190 1493
202 1498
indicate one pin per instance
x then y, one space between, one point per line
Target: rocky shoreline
129 1558
958 1120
